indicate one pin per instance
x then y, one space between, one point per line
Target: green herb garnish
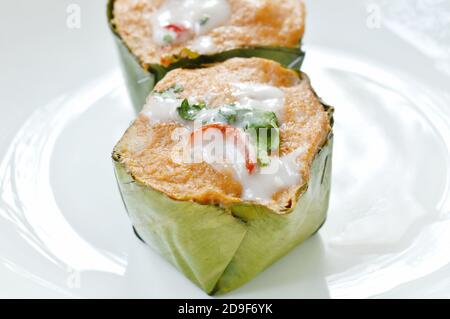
263 128
188 111
229 113
171 91
204 20
176 88
168 38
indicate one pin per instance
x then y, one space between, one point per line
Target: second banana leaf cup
141 77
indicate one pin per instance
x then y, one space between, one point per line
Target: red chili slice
176 28
236 134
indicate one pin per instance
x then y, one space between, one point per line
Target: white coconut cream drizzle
203 45
260 185
163 108
260 96
177 21
250 96
160 109
282 173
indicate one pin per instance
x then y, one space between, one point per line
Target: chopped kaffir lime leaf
229 113
261 126
168 38
177 88
171 91
188 111
204 20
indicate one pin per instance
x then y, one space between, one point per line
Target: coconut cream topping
282 172
246 129
162 107
261 96
178 21
226 142
203 45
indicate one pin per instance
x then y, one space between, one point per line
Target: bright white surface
63 106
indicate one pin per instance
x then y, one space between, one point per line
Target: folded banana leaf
220 249
141 79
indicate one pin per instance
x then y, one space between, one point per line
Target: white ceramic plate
384 65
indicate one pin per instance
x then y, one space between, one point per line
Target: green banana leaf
140 81
220 249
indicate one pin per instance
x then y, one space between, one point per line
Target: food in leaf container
155 36
222 215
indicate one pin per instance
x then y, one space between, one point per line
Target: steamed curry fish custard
157 30
221 222
228 165
229 99
156 36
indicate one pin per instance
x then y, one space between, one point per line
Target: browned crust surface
145 149
253 23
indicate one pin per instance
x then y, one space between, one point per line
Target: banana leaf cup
142 74
222 240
